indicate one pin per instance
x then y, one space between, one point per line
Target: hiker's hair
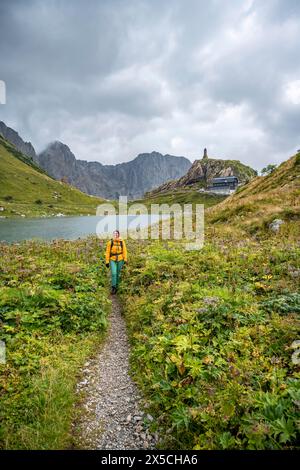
117 232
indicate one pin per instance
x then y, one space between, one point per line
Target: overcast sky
115 78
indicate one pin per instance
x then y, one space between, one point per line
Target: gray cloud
114 78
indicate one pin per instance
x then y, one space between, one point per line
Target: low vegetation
53 314
212 331
211 334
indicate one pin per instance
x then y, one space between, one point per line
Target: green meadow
211 335
212 332
53 309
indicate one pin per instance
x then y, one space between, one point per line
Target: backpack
111 245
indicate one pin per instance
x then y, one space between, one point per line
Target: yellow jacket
115 252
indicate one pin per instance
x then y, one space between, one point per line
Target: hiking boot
113 290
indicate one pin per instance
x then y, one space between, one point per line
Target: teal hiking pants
115 269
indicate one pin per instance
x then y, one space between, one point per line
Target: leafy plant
211 334
53 310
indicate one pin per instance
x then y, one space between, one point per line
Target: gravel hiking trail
112 414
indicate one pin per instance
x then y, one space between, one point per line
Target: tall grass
53 309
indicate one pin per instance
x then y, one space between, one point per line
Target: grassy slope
189 195
211 330
262 200
22 184
53 309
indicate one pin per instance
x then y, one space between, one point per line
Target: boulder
275 225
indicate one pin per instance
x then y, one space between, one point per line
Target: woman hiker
115 257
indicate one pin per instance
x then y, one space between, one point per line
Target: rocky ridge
131 178
202 171
13 137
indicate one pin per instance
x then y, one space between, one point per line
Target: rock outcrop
202 171
13 137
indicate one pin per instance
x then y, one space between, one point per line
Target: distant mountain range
148 172
132 178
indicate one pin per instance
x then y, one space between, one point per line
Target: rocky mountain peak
131 178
